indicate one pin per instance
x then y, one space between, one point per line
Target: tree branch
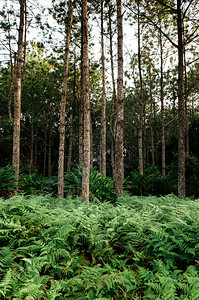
184 14
167 6
155 25
191 37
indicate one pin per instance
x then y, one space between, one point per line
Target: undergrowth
138 248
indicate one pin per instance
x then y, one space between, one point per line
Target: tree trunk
70 149
17 96
45 150
31 149
120 107
24 48
81 107
150 118
91 155
162 107
12 71
50 151
87 118
103 116
186 106
36 148
114 99
181 107
63 106
140 134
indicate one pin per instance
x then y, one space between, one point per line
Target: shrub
7 181
150 183
100 187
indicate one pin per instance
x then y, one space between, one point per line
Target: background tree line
60 108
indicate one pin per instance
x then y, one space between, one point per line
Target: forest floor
136 248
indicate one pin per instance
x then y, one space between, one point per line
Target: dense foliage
101 188
139 248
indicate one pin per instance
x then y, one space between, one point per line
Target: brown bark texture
85 81
103 114
150 119
119 159
181 107
81 107
63 106
140 129
162 107
17 95
114 99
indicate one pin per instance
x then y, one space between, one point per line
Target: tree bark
36 148
50 151
162 107
150 118
186 106
63 106
17 96
181 107
85 81
114 99
91 139
31 149
120 107
103 116
140 129
45 151
81 107
70 148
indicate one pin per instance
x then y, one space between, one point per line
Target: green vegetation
137 248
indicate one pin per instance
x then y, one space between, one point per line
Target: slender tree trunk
87 118
181 108
150 118
50 151
103 116
45 151
114 99
31 149
162 107
70 149
91 155
24 48
71 123
144 135
36 147
13 68
186 106
17 96
140 130
63 106
81 107
120 107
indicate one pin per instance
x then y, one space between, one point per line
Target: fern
138 248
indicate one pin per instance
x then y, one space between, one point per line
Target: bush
150 183
100 187
7 181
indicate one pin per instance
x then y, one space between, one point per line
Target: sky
130 42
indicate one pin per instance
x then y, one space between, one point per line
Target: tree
87 119
63 105
140 130
103 116
119 159
17 94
